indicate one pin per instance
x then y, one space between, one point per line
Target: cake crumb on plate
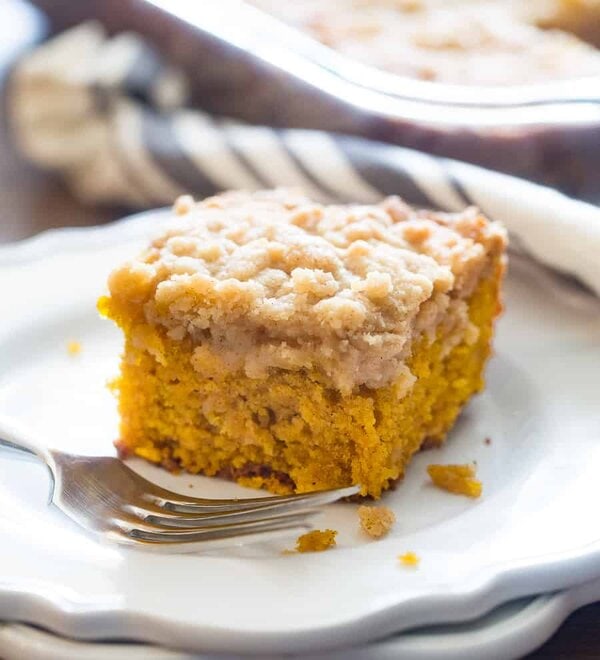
376 521
73 347
457 479
316 541
410 559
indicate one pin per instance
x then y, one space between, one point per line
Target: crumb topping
376 521
457 479
316 541
274 280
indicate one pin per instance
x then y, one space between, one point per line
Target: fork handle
16 436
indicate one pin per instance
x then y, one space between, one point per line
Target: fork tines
179 519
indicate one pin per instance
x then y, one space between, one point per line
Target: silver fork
107 497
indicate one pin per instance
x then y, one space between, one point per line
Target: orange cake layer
295 346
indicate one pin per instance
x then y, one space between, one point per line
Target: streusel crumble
376 521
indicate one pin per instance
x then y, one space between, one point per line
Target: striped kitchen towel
111 116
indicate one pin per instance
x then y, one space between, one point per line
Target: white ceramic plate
509 631
534 530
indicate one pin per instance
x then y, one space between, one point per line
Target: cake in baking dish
295 346
466 42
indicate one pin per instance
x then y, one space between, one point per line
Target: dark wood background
32 201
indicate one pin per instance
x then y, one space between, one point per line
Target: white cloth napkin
110 116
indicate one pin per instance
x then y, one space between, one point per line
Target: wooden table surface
32 201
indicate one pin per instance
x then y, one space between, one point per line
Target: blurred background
509 85
31 200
